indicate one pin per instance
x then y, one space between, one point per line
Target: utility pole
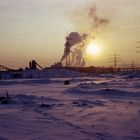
115 58
115 61
133 65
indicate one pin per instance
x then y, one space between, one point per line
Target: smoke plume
75 45
96 19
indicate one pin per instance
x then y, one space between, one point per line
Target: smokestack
73 53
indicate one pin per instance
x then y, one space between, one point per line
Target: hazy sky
35 29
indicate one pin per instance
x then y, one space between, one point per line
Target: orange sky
35 29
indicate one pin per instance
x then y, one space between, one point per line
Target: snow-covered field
104 107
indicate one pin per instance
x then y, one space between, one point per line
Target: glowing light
93 49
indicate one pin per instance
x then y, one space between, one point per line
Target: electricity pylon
138 46
115 58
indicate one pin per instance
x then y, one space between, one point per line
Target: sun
93 49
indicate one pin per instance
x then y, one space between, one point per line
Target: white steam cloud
75 45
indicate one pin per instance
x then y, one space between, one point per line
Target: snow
103 107
48 73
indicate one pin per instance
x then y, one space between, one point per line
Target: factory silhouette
68 59
73 57
34 66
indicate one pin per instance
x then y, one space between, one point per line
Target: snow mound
130 74
25 81
89 103
106 89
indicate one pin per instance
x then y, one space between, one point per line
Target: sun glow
93 49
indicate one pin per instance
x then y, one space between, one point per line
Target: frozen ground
106 107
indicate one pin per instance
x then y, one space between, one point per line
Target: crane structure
34 65
4 68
